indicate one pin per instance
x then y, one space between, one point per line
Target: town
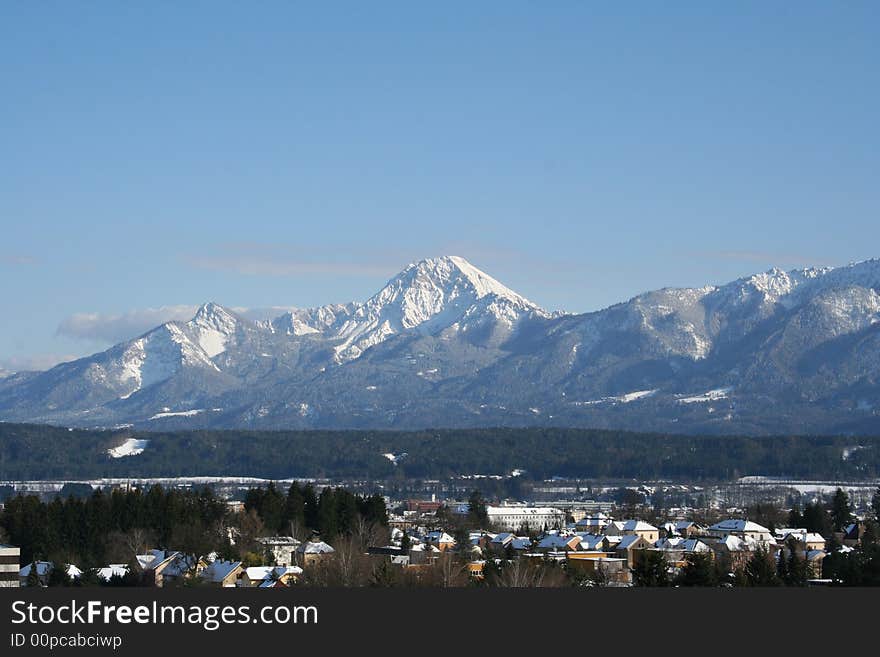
302 536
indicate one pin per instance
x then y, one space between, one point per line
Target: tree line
111 527
45 452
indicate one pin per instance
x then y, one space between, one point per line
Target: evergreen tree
698 570
310 506
462 540
760 569
58 576
816 519
33 577
327 516
796 574
295 507
651 569
477 509
405 543
841 512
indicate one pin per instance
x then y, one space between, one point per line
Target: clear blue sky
167 153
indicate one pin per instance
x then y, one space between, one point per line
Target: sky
157 155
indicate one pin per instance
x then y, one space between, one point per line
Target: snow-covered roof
43 569
503 537
592 541
694 545
219 570
255 573
555 541
627 541
738 525
287 541
315 547
638 526
113 570
422 547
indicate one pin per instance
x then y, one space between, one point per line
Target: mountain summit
445 344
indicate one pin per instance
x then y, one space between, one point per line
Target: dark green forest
46 452
114 526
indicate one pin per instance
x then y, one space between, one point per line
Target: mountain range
444 344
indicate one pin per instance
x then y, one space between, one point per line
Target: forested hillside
44 452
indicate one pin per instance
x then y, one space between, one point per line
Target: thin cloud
765 257
17 259
35 363
113 328
258 259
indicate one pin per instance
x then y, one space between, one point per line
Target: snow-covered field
131 447
625 398
195 411
711 395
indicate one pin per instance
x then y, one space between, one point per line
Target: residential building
221 573
312 552
9 566
640 528
282 549
269 576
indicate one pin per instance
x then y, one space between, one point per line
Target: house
745 529
559 543
221 573
9 566
640 528
683 528
852 534
44 572
113 570
44 569
610 570
594 542
629 546
269 576
281 549
806 540
592 524
440 539
166 567
313 551
422 553
734 552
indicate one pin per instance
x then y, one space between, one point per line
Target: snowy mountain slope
444 344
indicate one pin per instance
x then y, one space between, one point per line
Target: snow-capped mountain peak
212 327
431 295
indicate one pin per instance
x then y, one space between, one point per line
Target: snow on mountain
152 358
445 344
213 326
429 296
312 320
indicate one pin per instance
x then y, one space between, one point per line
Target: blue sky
165 154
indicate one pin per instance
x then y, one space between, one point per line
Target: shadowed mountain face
443 344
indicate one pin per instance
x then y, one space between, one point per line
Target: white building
282 548
744 529
532 517
9 566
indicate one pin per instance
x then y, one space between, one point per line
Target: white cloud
113 328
